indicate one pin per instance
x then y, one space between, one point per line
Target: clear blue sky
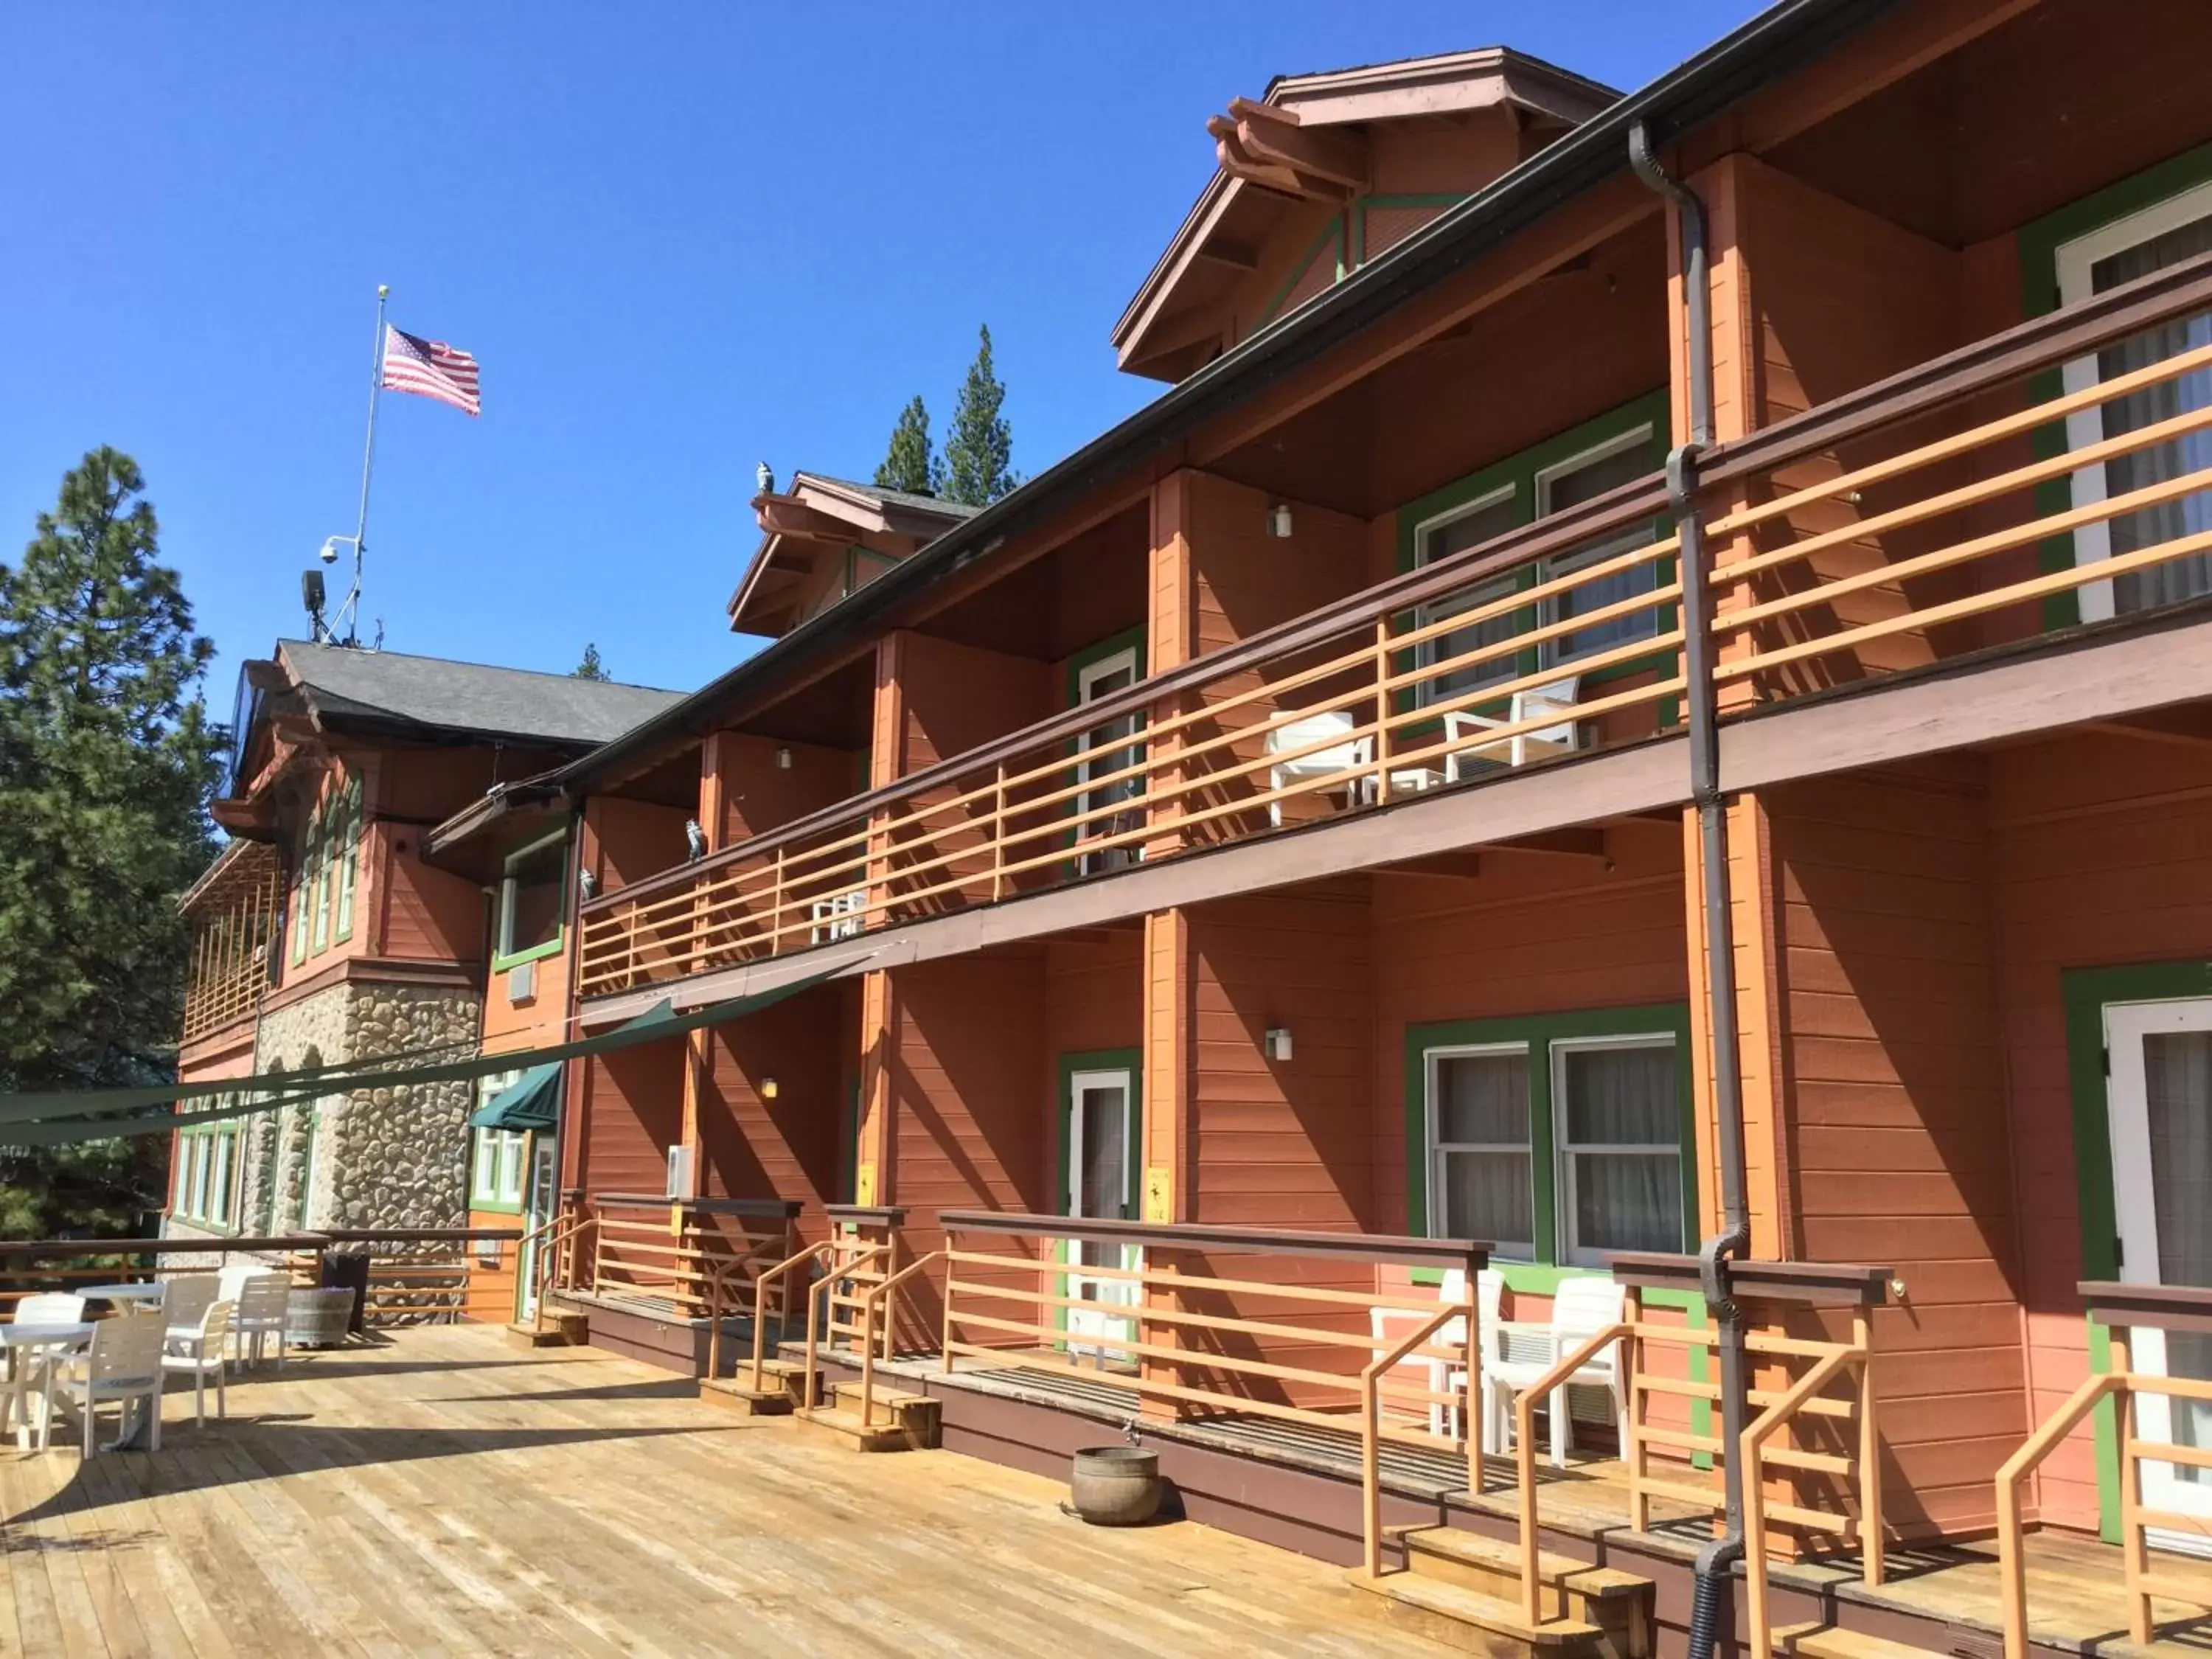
680 238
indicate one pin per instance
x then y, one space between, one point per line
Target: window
1614 450
206 1176
496 1164
531 901
303 888
1108 750
323 872
2119 251
1556 1138
349 855
1621 1153
1479 1167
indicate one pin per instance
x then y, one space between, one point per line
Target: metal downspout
1716 1559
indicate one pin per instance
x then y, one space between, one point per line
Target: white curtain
1617 1099
2183 578
2178 1092
1482 1136
1105 1193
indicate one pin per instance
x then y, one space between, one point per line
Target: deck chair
190 1296
123 1364
1345 756
262 1303
1580 1308
199 1354
1544 743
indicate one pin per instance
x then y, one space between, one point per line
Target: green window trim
1444 200
1331 234
213 1153
323 861
2087 992
1539 1032
1098 1059
349 836
2039 242
1133 640
503 959
1518 473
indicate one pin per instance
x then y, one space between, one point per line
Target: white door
538 1208
2160 1103
1106 750
2159 235
1101 1184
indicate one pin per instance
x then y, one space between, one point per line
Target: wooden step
1474 1622
881 1437
557 1331
737 1395
1827 1641
918 1414
1620 1604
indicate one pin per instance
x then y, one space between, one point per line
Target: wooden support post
1381 711
1872 1563
775 908
1633 1448
1477 1389
999 838
2134 1548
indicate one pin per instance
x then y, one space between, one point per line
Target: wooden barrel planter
1115 1485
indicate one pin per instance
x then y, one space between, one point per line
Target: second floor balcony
2007 510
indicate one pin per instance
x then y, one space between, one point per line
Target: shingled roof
443 695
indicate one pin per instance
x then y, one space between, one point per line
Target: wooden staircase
1464 1590
555 1330
782 1390
903 1421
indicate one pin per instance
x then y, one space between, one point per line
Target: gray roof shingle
468 696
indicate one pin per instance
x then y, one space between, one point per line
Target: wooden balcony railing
228 972
698 1255
2126 1311
1899 528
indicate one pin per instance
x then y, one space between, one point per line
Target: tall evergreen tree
108 764
911 464
591 668
979 449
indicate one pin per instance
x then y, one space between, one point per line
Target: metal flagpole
368 468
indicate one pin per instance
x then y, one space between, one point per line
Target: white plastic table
19 1340
137 1290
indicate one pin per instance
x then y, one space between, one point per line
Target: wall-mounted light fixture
768 1088
783 760
1278 521
1278 1043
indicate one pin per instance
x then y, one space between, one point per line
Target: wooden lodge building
322 938
1646 679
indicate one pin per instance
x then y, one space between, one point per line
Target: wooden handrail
2012 1571
1524 1451
776 1275
841 1267
870 1298
1755 1437
1395 1248
1370 1431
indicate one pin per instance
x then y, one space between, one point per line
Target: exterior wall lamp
1277 1045
768 1088
782 760
1279 521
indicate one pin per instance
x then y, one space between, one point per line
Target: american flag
430 368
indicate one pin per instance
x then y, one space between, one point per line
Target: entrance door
1101 1183
2160 1099
540 1199
1107 750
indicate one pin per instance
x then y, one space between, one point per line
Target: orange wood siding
627 841
491 1288
633 1114
1898 1138
2101 856
758 796
428 914
787 1147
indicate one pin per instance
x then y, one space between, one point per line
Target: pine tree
591 668
979 449
911 464
108 764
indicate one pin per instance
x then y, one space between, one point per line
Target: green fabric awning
533 1103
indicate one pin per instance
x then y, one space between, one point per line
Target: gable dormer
1326 172
824 539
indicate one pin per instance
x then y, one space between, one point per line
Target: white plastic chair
1544 743
1441 1378
1581 1308
49 1308
199 1354
1345 756
190 1296
123 1364
262 1302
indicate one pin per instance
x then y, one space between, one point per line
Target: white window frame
1503 1249
505 952
1549 654
1086 677
496 1163
1565 1151
1425 653
2076 259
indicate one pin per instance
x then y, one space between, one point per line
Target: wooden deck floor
451 1495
